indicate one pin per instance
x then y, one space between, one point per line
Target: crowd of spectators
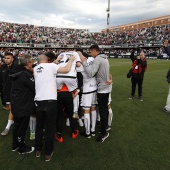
144 35
31 34
151 52
116 53
25 33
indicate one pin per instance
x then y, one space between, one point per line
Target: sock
80 122
32 124
67 122
93 120
76 103
110 117
10 122
87 123
98 117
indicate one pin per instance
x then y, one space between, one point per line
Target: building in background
159 21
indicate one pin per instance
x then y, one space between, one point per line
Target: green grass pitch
139 138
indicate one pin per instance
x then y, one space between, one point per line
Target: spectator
167 47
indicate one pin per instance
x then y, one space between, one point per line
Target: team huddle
73 84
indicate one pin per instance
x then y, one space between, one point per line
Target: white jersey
45 81
63 62
89 84
80 69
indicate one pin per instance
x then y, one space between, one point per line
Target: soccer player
88 101
65 104
100 70
70 79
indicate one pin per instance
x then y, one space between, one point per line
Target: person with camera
139 65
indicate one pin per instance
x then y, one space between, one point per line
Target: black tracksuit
22 102
5 83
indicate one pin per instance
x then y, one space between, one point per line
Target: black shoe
93 133
25 149
102 138
38 154
14 148
48 157
131 97
140 98
165 110
85 135
108 128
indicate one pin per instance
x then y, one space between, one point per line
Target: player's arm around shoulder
67 68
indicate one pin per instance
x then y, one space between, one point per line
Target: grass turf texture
139 138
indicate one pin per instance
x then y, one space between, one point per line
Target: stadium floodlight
108 15
107 10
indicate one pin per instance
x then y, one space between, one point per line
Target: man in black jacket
22 102
6 83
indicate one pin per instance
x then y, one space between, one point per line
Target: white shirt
45 81
63 62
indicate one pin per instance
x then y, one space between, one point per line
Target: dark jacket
138 66
5 82
22 92
167 50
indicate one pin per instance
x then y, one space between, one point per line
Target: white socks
10 122
87 123
32 124
67 122
93 120
98 117
76 103
110 116
80 122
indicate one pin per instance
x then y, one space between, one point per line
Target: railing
55 45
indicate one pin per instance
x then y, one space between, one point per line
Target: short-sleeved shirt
63 62
45 81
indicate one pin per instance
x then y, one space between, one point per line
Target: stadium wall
163 20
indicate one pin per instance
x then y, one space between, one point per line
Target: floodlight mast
108 15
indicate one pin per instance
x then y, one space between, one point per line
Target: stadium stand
32 39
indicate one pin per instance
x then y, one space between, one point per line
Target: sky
81 14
